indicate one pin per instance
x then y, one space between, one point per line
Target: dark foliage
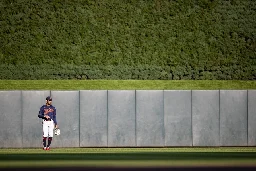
129 39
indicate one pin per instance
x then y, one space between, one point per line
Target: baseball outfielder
48 114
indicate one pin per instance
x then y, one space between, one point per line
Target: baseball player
48 114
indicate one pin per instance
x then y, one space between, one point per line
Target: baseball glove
57 131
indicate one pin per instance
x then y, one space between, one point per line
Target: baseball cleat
44 148
48 148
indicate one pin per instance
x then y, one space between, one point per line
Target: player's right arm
41 113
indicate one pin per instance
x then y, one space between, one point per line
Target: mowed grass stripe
128 157
127 164
156 156
125 84
126 150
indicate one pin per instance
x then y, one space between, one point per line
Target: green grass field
125 85
128 157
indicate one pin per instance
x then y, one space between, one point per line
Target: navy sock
44 141
49 141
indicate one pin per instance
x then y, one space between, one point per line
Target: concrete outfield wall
93 118
121 118
67 113
233 117
177 118
205 117
11 119
32 125
251 117
149 118
135 118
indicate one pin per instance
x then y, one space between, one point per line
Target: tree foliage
129 39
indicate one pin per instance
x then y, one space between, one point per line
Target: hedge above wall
155 39
140 72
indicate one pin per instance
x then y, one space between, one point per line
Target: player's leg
51 128
45 133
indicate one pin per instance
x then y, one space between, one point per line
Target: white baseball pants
48 127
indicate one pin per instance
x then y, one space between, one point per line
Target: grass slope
128 157
124 85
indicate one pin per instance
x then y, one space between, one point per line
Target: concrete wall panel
67 107
149 118
121 118
205 117
251 117
93 118
177 118
32 125
233 117
11 119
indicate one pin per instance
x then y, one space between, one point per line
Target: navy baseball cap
49 98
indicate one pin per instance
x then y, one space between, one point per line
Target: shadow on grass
130 156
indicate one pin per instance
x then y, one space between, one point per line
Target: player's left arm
55 118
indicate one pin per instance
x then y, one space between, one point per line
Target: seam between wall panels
219 119
79 103
21 103
107 118
247 119
135 119
163 121
191 115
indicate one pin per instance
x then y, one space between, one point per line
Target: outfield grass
128 157
125 85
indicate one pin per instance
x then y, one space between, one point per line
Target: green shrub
82 39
